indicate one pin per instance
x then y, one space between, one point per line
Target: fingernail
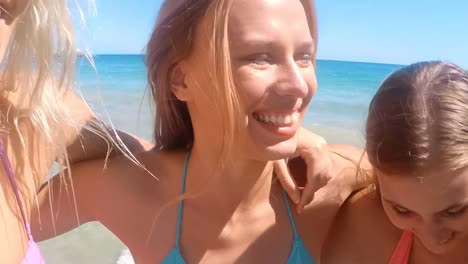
297 199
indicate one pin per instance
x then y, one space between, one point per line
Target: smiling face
272 53
248 76
433 205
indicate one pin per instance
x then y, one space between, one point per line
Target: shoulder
151 174
139 187
360 223
133 196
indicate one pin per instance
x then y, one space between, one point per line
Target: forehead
435 189
249 18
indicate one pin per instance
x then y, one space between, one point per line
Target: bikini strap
181 202
11 177
291 219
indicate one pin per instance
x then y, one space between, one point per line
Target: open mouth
446 240
277 119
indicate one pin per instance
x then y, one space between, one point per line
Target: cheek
17 7
311 80
459 225
252 84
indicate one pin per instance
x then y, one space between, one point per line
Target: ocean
116 89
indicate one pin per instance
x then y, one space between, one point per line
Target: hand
313 151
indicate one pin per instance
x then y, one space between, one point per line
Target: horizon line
337 60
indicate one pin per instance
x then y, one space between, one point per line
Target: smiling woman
231 81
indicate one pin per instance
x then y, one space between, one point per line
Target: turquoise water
117 92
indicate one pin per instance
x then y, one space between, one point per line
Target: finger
307 196
288 183
314 182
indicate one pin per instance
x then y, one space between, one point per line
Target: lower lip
283 131
446 241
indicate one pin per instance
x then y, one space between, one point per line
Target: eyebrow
456 205
393 203
308 44
268 44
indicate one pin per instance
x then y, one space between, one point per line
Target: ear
178 85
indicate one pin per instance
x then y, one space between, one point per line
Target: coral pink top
402 251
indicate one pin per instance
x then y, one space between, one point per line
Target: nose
292 80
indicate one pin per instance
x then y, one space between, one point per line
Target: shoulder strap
181 203
291 219
11 176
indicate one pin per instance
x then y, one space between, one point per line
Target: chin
280 150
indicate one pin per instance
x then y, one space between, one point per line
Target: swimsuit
298 255
33 254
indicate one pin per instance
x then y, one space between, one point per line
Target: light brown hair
418 120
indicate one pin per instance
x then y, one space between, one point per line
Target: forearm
98 141
351 167
67 200
90 138
57 212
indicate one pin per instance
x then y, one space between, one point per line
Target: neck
239 184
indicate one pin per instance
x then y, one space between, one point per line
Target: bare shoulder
151 176
127 187
360 224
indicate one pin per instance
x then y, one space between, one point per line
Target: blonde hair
418 120
172 41
39 71
40 63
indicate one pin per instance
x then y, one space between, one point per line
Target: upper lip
280 110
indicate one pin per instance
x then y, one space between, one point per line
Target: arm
93 139
65 203
72 198
317 217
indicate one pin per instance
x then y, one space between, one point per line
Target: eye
455 212
260 59
305 59
401 210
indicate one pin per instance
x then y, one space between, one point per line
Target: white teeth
281 119
273 119
294 118
277 119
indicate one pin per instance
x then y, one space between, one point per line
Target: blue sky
396 31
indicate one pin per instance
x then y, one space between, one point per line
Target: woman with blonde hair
42 121
231 81
417 143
